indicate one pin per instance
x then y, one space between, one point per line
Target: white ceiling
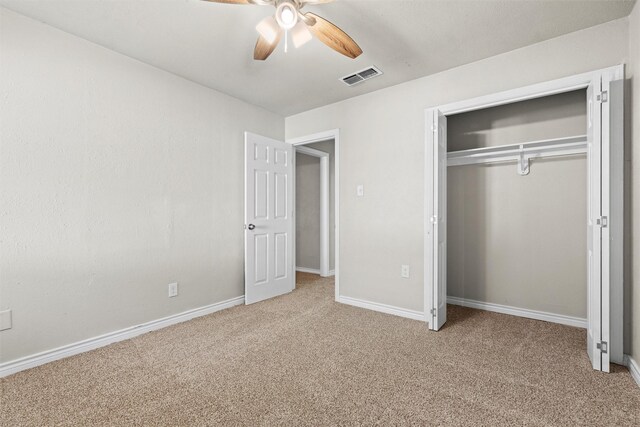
212 44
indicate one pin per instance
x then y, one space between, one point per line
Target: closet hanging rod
522 152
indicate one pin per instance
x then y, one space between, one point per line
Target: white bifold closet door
436 229
594 230
605 98
268 218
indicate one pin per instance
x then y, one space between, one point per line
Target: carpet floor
303 359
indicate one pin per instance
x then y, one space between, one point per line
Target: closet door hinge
434 219
432 311
602 221
603 96
602 346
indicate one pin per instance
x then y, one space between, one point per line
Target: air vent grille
352 79
360 76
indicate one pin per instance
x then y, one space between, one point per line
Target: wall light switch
360 190
5 320
173 290
404 271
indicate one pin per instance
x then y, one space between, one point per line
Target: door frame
333 134
611 235
324 203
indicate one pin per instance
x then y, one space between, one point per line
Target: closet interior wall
515 240
329 147
307 212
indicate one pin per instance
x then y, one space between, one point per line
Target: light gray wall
633 155
116 179
308 207
307 211
519 240
329 147
382 146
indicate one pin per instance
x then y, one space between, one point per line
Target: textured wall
307 211
116 178
329 147
382 147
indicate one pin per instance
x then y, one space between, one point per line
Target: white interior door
594 229
269 224
437 229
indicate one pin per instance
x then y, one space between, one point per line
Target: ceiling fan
288 17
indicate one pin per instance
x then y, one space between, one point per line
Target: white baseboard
13 366
308 270
521 312
383 308
634 368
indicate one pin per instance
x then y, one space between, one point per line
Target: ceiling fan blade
264 48
333 36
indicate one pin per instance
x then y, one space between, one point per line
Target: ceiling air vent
360 76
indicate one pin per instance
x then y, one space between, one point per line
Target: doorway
316 194
314 220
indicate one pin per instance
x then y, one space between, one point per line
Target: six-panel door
268 218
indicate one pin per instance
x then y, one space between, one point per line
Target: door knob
251 227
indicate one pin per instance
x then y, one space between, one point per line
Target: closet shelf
520 153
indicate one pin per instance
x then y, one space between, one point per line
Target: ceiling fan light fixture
286 15
303 27
300 34
268 28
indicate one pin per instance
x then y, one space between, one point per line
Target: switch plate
360 190
5 320
173 289
404 271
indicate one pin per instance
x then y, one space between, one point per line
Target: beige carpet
302 359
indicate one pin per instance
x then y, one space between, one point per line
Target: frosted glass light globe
286 15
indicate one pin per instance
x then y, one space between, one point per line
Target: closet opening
517 208
524 206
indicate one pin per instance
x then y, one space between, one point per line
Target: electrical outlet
173 289
404 271
5 320
360 190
